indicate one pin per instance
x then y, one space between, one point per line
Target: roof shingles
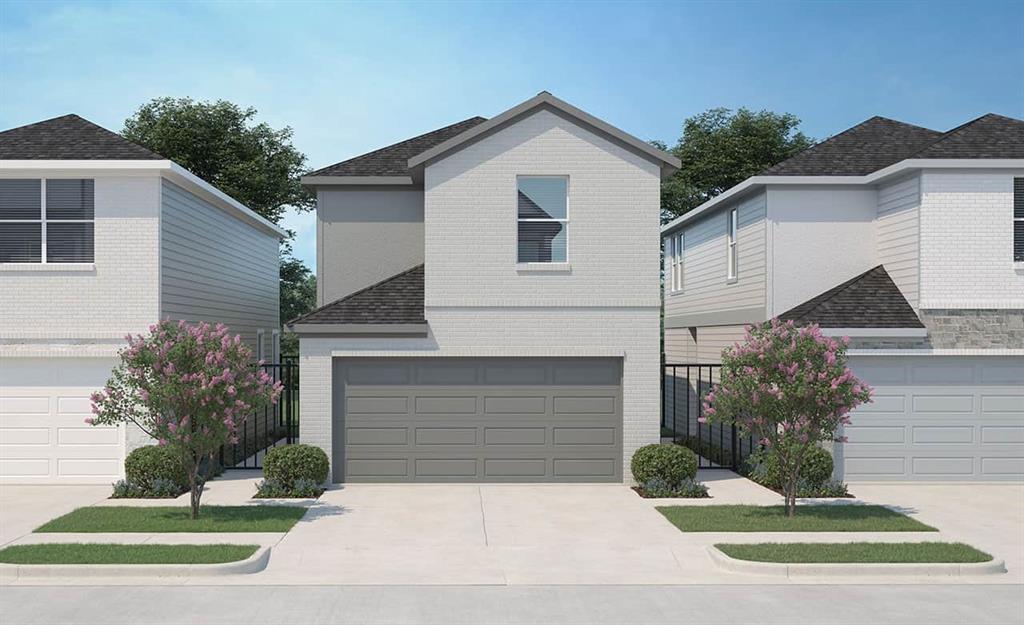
69 137
870 300
396 300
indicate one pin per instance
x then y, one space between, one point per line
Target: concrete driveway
25 507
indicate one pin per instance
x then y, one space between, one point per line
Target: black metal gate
683 386
267 428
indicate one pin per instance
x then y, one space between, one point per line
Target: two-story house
100 238
907 240
489 303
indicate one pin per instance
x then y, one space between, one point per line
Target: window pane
20 199
21 243
69 243
1018 241
69 199
542 198
542 242
1018 198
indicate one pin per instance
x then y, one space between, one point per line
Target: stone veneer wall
954 328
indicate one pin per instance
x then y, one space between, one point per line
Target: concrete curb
779 569
253 564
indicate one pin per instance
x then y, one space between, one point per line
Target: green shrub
689 489
287 464
815 470
302 489
146 464
671 463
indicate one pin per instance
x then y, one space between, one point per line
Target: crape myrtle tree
190 387
790 388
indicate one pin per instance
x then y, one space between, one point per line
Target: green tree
221 143
720 148
298 297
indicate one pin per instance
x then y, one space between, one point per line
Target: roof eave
880 333
359 329
330 181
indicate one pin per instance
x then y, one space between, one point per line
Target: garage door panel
481 431
962 420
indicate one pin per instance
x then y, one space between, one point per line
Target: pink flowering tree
790 388
190 387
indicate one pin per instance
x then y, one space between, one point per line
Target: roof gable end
69 137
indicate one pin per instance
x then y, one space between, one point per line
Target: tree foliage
720 148
790 388
298 297
190 387
221 143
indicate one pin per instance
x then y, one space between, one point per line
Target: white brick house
489 303
911 242
100 238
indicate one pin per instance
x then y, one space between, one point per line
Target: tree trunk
195 487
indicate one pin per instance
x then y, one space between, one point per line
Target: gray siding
364 236
701 344
216 268
705 286
897 236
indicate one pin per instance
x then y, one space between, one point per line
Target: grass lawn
818 518
828 553
176 519
81 553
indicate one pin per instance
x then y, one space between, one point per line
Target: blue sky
351 77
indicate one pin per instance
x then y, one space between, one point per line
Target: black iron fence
267 428
683 387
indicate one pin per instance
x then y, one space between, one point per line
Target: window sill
1018 266
732 280
675 293
44 267
543 267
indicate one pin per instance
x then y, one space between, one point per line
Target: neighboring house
489 303
99 238
911 242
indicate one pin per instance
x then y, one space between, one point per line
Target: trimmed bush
668 462
687 489
151 466
287 464
815 470
303 489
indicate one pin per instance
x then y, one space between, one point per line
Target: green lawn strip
96 553
816 518
841 553
176 519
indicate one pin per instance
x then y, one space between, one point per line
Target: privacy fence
272 426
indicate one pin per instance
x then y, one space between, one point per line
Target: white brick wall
967 241
478 304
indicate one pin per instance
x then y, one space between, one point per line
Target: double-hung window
1018 220
46 221
542 219
674 253
732 258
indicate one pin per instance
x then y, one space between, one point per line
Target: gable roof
395 300
393 160
669 163
867 147
69 137
989 136
870 300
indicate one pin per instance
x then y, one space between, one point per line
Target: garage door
43 435
478 420
938 419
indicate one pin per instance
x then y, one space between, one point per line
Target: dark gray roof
870 300
394 159
69 137
880 142
867 147
989 136
398 299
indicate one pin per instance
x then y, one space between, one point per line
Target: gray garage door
937 418
478 420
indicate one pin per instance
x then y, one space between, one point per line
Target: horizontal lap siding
897 235
216 268
705 284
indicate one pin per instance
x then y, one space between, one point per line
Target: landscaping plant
671 463
287 464
190 387
789 387
152 463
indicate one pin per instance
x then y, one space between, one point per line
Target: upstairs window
732 258
674 253
46 221
542 219
1018 220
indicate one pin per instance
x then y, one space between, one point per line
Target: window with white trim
542 219
732 259
1018 220
47 220
674 253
